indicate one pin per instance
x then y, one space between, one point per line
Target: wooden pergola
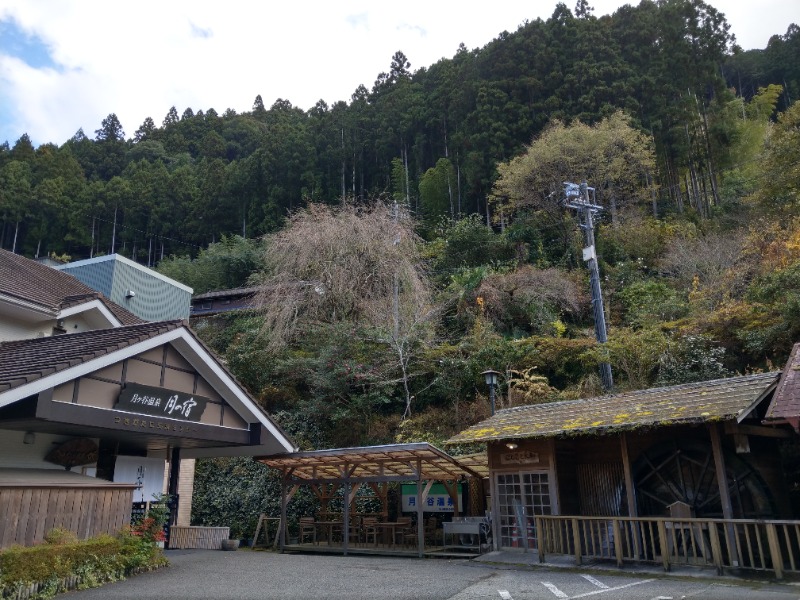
420 463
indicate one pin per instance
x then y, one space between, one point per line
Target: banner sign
145 399
438 499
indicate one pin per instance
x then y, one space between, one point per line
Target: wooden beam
626 467
732 428
427 490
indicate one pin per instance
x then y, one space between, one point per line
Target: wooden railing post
617 541
662 538
775 550
540 537
716 547
576 540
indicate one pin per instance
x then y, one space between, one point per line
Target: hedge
40 572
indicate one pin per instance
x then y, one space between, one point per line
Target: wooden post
775 550
495 512
716 547
722 478
420 518
662 538
724 492
346 516
539 524
576 540
284 502
617 540
630 492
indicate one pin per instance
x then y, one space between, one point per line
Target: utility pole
577 197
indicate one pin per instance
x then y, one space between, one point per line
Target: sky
67 64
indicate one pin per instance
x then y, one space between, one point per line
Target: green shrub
95 561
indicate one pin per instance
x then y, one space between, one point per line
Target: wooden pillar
722 478
633 510
346 516
626 467
420 516
284 501
724 492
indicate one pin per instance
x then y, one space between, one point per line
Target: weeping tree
350 266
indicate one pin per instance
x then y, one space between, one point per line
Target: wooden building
87 387
565 476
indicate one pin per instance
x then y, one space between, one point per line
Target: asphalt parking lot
259 575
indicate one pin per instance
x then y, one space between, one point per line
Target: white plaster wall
15 454
14 329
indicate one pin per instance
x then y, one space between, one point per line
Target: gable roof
50 290
690 403
28 367
25 361
785 405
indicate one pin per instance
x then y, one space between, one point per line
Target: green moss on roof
703 402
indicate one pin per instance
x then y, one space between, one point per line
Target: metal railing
722 544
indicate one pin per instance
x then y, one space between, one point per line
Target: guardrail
722 544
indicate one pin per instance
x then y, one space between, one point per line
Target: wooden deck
361 548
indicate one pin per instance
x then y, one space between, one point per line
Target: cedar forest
415 235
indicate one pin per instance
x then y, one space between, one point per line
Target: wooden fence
29 512
770 546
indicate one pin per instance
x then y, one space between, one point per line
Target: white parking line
556 592
612 589
504 594
595 582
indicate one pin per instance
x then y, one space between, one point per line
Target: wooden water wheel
683 471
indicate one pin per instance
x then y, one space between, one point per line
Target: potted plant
230 544
235 537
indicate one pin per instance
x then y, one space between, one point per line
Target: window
521 496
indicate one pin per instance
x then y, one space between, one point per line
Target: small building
144 292
220 301
580 471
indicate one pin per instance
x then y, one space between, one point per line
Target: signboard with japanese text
438 499
149 400
519 457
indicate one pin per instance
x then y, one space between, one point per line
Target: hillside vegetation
414 235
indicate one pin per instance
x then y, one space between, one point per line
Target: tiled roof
37 283
231 293
49 288
707 401
785 405
24 361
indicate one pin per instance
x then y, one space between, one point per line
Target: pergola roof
394 462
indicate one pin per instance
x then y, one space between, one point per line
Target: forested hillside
413 235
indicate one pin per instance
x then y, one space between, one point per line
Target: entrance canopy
393 462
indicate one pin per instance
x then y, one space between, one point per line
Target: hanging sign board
438 499
145 399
